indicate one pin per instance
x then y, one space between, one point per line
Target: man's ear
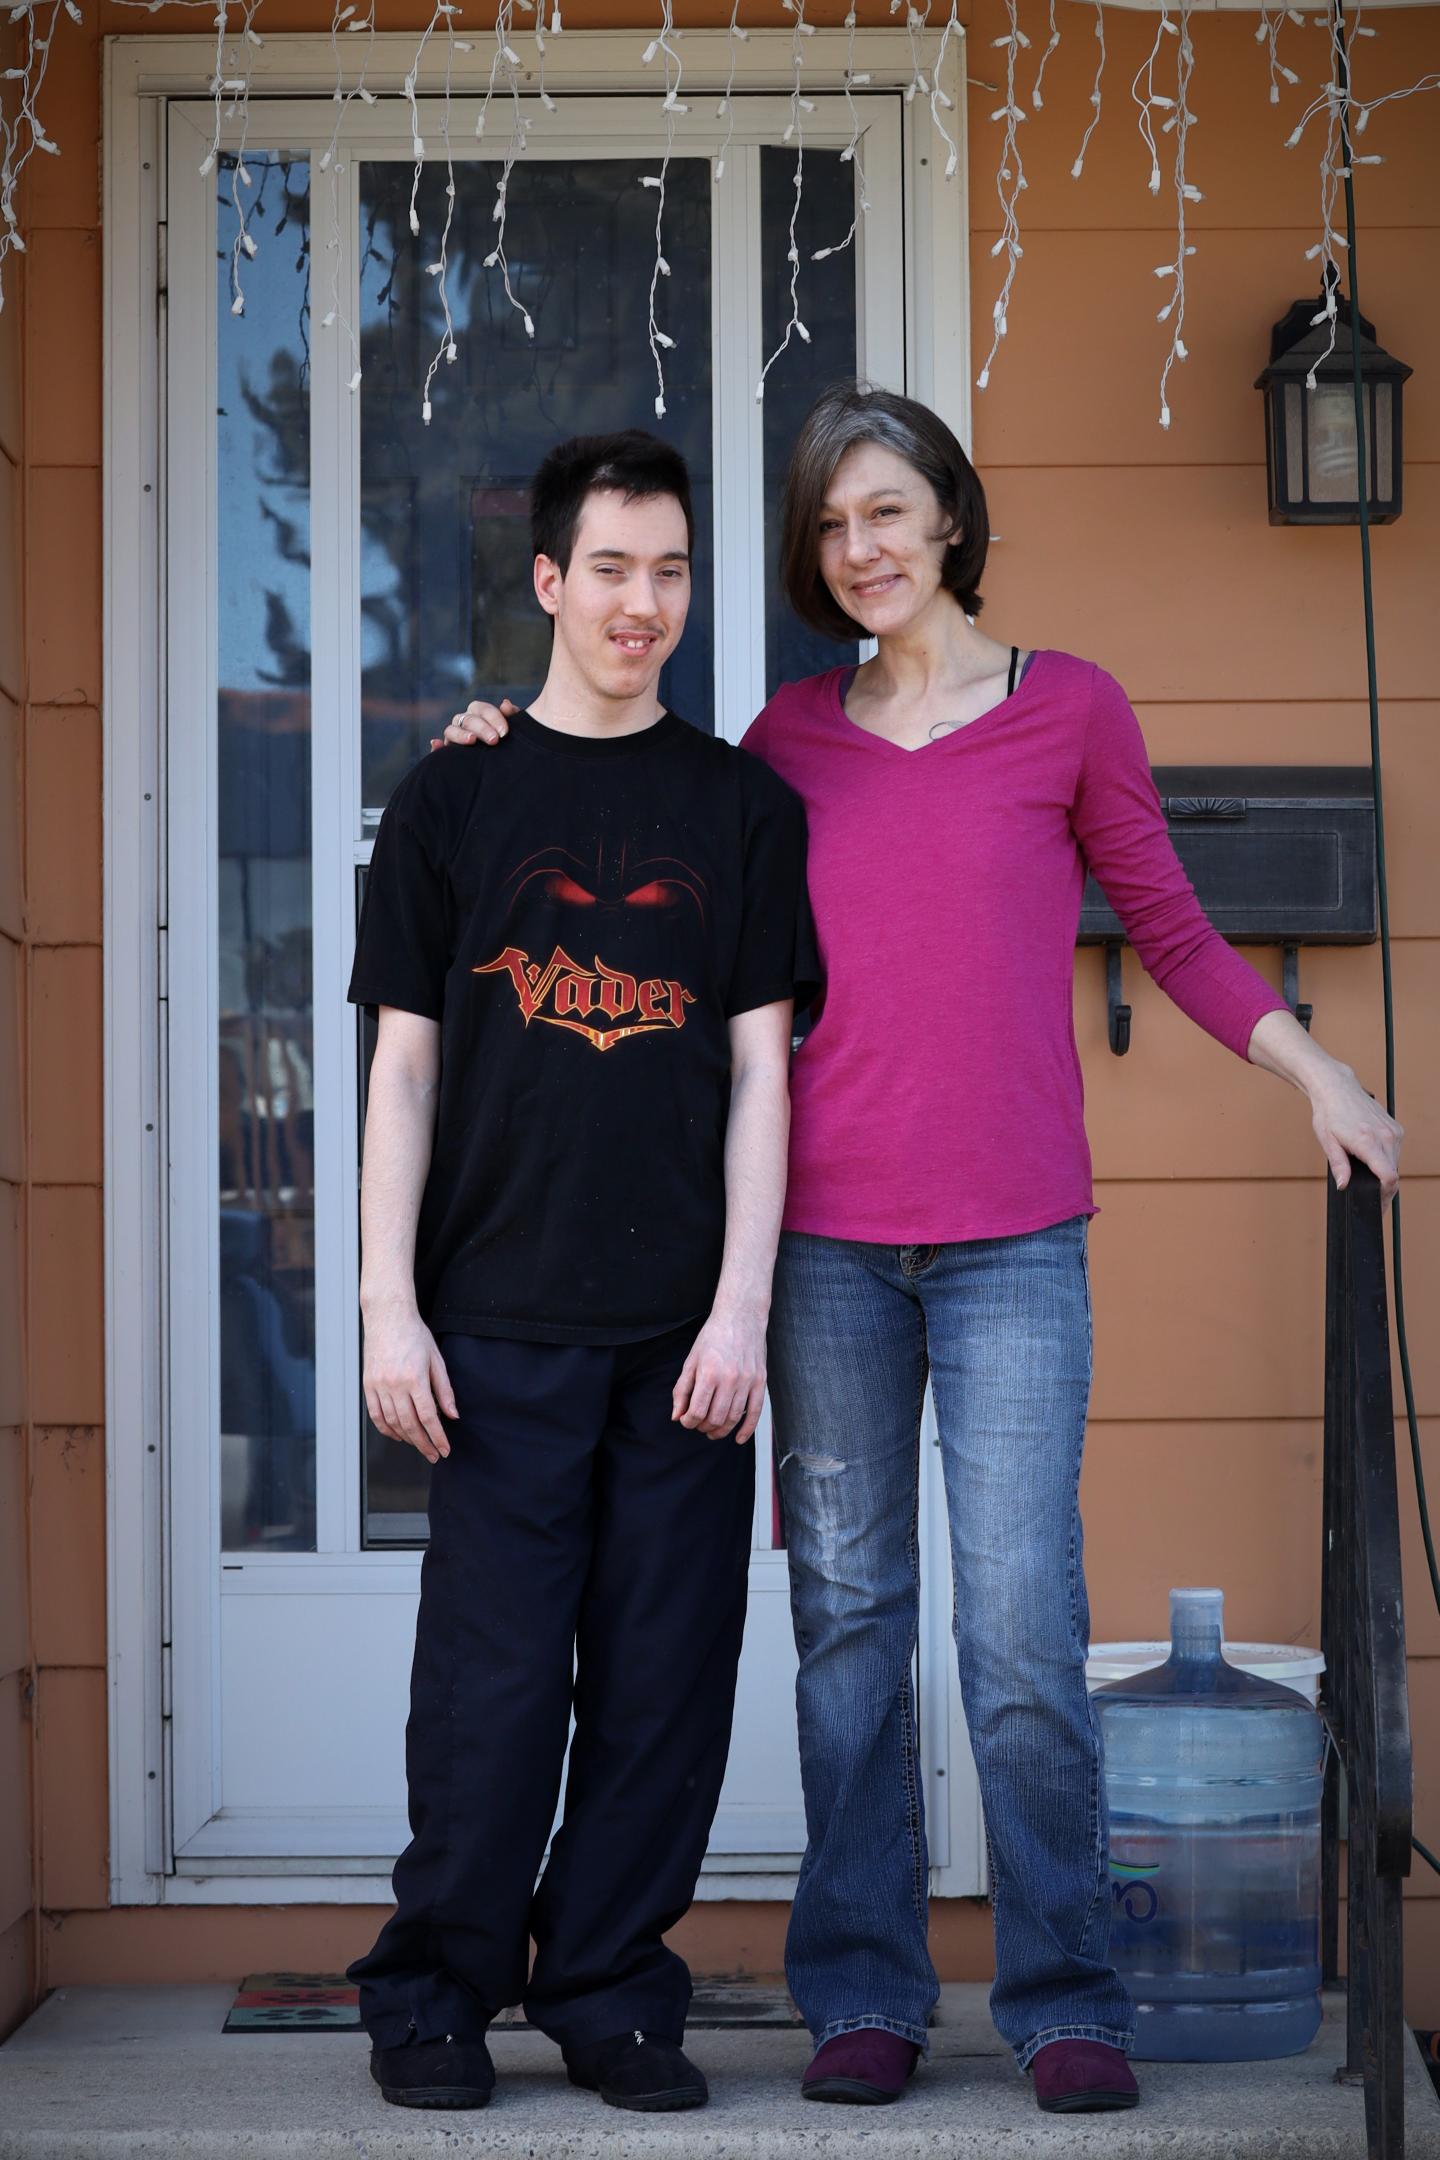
549 578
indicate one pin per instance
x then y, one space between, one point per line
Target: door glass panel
447 603
827 309
265 1154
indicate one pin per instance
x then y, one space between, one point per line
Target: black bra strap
1014 665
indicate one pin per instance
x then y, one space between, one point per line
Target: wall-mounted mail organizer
1278 855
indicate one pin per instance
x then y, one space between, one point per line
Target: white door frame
140 74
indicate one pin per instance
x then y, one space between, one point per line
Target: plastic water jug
1214 1781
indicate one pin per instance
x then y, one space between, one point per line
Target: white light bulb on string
1334 101
850 155
939 101
794 327
663 43
1095 95
1036 97
443 13
23 135
1010 184
232 95
217 86
917 22
736 37
348 19
440 270
1268 34
505 70
546 100
1143 91
1186 193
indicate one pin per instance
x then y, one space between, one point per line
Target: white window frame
141 75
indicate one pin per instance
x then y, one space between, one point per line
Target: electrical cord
1378 793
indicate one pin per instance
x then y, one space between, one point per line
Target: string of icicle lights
1336 110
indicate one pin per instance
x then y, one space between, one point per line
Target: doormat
328 2002
1430 2049
294 2002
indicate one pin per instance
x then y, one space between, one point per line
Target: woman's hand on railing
1346 1120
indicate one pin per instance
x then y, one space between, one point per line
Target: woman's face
879 550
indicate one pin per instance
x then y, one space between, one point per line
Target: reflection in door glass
395 1489
447 604
266 1086
827 309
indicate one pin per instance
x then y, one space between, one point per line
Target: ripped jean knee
813 1465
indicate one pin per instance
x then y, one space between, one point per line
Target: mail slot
1278 854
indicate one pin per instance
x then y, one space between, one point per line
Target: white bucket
1291 1666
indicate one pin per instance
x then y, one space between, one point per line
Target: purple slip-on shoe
865 2068
1082 2077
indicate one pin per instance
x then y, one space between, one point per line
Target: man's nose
641 599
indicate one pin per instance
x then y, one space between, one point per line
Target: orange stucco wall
1150 552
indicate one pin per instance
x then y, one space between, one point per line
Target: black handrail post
1363 1638
1336 1459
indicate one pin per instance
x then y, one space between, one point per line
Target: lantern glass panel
1293 464
1332 471
1384 443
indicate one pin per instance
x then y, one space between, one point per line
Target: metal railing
1362 1628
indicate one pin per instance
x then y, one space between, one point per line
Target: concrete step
146 2074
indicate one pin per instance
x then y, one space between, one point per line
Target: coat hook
1117 1011
1290 986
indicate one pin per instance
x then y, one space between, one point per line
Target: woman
935 1227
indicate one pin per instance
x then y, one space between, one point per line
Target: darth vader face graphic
607 883
599 906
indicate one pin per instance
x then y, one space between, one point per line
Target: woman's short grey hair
842 416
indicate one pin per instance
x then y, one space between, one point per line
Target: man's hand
478 723
405 1378
722 1386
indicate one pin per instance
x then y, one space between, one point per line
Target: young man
584 969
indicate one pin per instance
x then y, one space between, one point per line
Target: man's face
621 606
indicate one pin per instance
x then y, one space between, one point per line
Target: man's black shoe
444 2073
639 2070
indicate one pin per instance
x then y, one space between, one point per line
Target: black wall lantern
1310 434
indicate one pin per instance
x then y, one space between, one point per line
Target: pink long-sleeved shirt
938 1096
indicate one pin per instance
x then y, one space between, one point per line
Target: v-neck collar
1002 711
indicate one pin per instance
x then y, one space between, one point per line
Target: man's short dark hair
842 416
631 463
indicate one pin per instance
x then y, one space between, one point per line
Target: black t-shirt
582 915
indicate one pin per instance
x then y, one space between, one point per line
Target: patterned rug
326 2002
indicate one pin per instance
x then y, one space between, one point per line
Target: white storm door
339 577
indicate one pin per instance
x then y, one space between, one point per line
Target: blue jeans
1002 1328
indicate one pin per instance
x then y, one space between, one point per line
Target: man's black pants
585 1553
